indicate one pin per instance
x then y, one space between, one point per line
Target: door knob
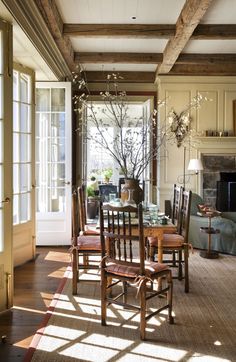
7 200
67 182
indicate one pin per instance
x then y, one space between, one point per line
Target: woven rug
204 329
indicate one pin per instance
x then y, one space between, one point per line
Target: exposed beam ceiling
177 53
188 20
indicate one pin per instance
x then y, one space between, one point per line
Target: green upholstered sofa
225 241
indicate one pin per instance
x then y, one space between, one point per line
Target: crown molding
29 18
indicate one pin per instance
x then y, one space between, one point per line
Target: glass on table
153 213
112 197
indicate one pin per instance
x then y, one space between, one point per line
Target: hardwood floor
35 284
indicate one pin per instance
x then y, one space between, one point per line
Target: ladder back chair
82 245
123 261
85 228
178 242
176 220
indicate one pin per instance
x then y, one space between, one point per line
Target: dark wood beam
187 58
120 30
151 58
132 77
202 31
54 22
136 58
204 69
214 31
188 20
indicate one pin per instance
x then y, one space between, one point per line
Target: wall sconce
195 165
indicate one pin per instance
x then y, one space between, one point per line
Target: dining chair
175 219
83 245
105 190
85 228
178 242
123 261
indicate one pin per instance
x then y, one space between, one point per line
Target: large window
22 155
97 158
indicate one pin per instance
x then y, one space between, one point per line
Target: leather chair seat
169 240
125 269
86 242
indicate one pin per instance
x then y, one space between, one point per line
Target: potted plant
92 202
107 173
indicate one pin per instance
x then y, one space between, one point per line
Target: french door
6 262
53 163
23 165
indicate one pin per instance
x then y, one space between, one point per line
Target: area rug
204 329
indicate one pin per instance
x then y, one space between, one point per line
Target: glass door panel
23 165
53 163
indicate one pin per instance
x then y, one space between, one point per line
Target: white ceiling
120 11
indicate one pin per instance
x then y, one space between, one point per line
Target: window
22 155
97 158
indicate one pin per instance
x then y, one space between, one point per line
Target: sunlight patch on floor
63 257
90 353
58 273
62 332
29 309
108 342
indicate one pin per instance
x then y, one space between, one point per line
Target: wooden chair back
123 239
74 217
82 206
185 213
176 207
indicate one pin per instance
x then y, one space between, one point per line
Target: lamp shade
195 165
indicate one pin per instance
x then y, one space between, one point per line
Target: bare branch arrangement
137 141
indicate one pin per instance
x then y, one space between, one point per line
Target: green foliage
90 191
107 172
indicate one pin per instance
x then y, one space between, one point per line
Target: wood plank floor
35 284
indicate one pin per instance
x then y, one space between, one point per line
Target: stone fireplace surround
218 154
213 165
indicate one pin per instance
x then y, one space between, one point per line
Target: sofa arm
224 242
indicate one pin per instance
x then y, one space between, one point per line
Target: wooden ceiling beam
202 31
135 58
152 58
120 30
204 69
188 20
214 32
127 77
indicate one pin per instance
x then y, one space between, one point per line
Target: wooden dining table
156 230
